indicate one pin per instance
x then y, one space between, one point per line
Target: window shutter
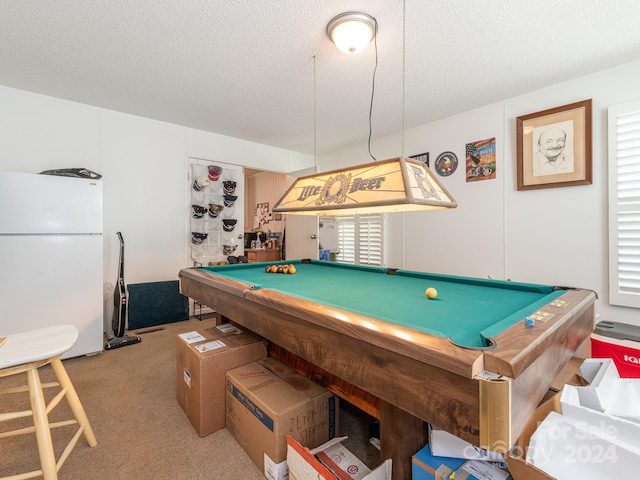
624 205
360 239
370 240
346 239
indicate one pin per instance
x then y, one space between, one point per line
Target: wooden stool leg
74 401
41 424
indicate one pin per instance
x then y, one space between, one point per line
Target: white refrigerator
51 256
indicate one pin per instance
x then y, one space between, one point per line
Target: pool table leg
401 436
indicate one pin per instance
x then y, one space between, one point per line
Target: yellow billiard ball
431 293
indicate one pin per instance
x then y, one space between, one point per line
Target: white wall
39 133
555 236
144 164
144 174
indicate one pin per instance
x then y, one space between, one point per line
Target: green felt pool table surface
467 310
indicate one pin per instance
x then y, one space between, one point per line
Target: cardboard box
330 461
583 442
203 358
518 466
266 401
620 342
424 464
516 457
444 444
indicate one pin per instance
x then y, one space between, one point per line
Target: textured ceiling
245 68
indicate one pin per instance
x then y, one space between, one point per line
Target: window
624 205
360 239
346 239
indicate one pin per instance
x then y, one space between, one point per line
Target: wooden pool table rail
413 374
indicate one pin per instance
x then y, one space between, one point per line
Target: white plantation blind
360 239
624 205
346 239
370 240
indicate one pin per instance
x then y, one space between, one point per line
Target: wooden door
301 237
301 231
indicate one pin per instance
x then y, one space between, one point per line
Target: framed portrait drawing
554 147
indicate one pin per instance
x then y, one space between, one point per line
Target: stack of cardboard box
203 358
268 401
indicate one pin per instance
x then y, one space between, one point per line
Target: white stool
26 353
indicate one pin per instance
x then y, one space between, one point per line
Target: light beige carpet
129 395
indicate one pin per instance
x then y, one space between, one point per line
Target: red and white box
620 342
330 461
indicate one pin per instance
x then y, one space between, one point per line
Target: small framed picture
554 147
423 157
262 213
446 164
277 217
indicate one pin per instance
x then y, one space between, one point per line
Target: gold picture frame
554 147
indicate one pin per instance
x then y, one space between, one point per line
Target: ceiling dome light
352 31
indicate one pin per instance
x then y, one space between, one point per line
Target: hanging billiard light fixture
386 186
394 185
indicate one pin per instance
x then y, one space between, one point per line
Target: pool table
465 361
